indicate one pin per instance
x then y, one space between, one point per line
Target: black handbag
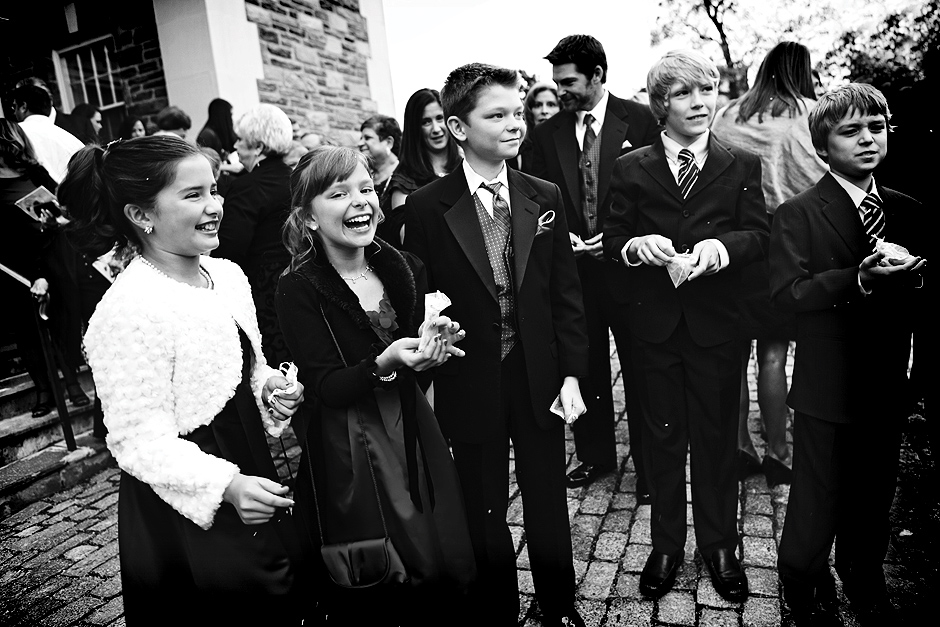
361 563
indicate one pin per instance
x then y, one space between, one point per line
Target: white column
209 50
380 73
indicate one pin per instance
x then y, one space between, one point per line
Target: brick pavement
59 563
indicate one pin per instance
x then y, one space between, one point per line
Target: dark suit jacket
555 153
442 229
256 206
726 203
852 349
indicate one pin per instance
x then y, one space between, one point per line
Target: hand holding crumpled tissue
434 304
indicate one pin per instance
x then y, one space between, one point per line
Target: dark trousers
844 478
689 396
540 472
594 432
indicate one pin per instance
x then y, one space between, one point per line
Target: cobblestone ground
59 556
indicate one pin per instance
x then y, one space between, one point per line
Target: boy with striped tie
687 207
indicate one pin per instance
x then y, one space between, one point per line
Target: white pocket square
626 144
546 221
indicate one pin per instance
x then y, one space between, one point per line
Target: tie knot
872 199
686 156
493 189
588 119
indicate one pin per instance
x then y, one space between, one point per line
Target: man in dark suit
495 241
688 194
577 153
855 313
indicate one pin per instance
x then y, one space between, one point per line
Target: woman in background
770 120
380 138
541 103
132 127
427 152
87 120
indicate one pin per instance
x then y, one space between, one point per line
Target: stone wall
314 54
138 54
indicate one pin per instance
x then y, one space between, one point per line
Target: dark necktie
688 171
500 207
589 135
874 218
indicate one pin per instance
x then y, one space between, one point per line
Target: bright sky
429 38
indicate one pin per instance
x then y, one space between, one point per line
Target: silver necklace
210 284
361 275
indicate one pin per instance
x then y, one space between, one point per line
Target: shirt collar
699 148
599 111
474 180
856 193
36 118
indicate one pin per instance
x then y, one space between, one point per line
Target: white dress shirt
54 146
599 112
474 180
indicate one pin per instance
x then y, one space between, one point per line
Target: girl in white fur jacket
176 354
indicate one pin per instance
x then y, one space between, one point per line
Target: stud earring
148 229
313 227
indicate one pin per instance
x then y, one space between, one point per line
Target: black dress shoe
44 405
776 472
747 465
77 396
585 474
659 574
727 575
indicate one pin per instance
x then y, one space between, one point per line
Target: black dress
175 573
429 532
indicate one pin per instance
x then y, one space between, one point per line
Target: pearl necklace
210 284
361 275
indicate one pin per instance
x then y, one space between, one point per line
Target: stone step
50 470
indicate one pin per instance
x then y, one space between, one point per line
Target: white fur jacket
166 358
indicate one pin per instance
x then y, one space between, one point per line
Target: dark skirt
434 544
760 320
174 572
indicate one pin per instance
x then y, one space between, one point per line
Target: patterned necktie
589 135
874 219
500 207
688 171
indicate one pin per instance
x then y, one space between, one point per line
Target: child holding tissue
687 215
496 242
374 462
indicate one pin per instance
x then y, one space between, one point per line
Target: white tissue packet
892 252
679 267
558 409
434 304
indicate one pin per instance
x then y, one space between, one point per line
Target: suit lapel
842 214
657 166
566 144
525 213
613 133
719 159
461 218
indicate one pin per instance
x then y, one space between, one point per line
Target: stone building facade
312 58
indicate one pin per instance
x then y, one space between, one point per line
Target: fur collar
392 268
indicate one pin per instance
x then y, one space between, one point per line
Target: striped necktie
874 218
589 136
688 171
500 207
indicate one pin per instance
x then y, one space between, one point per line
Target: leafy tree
740 32
892 55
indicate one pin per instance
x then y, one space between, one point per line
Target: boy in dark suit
496 242
855 310
687 200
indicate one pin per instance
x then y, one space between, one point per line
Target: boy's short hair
836 104
677 66
463 86
37 100
584 51
172 118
